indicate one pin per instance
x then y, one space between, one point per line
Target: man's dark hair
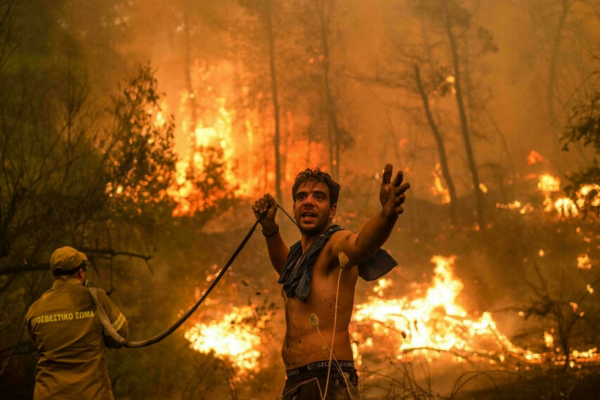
317 176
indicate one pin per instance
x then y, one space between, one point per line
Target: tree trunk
480 206
440 145
275 98
334 137
552 76
188 74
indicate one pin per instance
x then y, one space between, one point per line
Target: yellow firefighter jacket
65 327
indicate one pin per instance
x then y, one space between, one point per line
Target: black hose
124 343
181 320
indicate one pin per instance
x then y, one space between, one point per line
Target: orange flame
243 153
549 184
230 339
584 195
207 144
565 207
584 262
430 322
438 188
534 157
437 323
516 205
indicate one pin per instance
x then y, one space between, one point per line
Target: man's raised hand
392 193
266 206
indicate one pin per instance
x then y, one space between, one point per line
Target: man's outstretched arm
360 246
278 249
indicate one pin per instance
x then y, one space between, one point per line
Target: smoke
235 77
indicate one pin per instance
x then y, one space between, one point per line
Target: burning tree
137 146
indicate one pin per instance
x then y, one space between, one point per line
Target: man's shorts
308 382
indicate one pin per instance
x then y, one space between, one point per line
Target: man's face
313 210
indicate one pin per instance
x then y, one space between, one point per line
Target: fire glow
434 324
587 196
226 158
230 339
438 189
207 144
430 322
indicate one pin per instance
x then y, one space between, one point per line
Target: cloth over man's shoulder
296 275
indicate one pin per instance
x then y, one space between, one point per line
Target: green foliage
584 124
586 176
211 180
56 166
46 156
584 127
139 152
56 163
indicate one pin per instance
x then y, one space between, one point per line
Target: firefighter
65 327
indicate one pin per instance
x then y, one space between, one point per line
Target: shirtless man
319 275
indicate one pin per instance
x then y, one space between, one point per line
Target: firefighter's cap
66 261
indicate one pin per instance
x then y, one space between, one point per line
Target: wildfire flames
207 145
230 339
438 189
588 196
226 158
429 322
